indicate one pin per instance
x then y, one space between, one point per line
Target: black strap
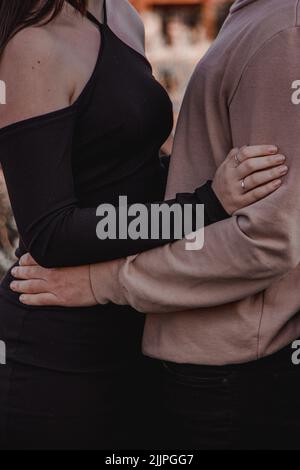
105 12
94 20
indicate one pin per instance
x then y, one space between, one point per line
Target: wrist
105 282
93 295
213 204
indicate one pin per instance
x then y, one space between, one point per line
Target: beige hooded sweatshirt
237 299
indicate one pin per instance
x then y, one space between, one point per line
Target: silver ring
243 185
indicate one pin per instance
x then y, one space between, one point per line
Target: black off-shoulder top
61 166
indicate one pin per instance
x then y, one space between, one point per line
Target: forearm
261 243
171 279
52 226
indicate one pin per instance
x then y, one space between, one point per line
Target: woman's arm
36 157
41 286
36 147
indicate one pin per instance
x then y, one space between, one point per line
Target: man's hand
67 287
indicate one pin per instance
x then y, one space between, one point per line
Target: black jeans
250 406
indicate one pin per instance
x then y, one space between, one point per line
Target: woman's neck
96 7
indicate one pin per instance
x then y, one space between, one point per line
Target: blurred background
178 33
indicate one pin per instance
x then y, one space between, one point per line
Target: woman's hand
248 175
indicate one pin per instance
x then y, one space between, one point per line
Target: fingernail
273 149
281 158
12 286
284 170
277 183
13 271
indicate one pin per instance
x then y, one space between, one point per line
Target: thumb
27 260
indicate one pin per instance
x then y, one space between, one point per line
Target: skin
53 64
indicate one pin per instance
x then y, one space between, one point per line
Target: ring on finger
243 185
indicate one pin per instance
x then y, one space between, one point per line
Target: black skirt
68 383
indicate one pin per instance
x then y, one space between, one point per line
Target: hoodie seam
260 325
235 7
297 13
255 54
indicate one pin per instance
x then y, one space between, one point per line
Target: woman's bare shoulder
29 67
27 45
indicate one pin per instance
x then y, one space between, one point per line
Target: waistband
281 360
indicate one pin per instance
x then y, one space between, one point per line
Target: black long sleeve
36 160
213 209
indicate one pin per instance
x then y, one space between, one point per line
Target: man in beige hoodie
229 310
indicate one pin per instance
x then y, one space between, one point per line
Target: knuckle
52 274
244 151
248 165
270 161
274 172
26 272
31 289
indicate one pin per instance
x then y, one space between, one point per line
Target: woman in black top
75 378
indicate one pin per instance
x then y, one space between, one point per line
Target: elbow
279 260
274 246
290 259
288 251
285 265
